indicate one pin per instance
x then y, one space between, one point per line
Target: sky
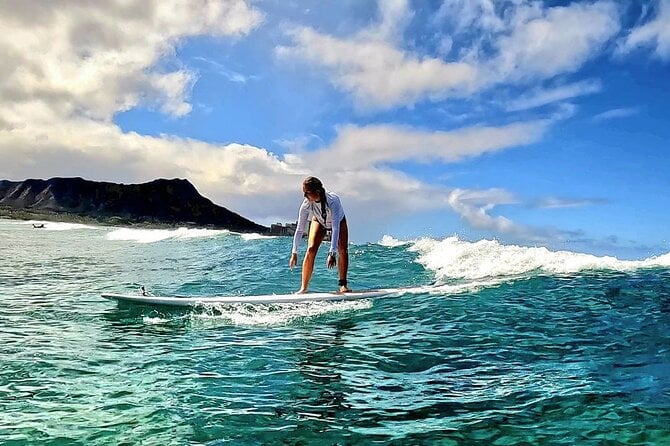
537 123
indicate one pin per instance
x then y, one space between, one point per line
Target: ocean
490 344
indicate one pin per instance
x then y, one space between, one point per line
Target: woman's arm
303 215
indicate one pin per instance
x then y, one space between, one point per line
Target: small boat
38 226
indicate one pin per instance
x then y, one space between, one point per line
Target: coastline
9 213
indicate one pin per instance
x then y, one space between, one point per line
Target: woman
326 212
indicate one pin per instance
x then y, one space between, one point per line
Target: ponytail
322 194
315 185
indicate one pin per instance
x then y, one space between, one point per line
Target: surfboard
186 301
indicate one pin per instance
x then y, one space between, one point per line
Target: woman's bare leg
343 254
316 234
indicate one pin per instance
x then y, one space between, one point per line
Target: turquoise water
509 346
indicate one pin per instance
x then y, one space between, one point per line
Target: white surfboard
184 301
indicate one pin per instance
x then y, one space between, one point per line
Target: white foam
391 242
662 260
272 315
156 235
452 258
254 236
154 320
60 226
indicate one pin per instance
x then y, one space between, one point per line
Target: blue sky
535 123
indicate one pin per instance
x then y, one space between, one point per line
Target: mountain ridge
160 202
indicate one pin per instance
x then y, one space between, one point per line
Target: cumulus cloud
379 73
542 43
375 144
388 191
654 34
475 206
99 58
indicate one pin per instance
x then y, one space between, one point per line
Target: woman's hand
331 261
293 261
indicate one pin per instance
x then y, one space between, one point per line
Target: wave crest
157 235
452 258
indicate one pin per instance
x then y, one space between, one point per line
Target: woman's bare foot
344 289
301 291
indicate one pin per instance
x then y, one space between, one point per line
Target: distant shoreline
9 213
160 203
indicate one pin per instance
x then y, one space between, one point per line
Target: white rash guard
334 216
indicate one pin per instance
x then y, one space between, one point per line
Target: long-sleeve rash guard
334 215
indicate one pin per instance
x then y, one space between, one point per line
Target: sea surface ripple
541 348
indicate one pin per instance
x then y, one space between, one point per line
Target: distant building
287 229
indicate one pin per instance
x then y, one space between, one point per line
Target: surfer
326 212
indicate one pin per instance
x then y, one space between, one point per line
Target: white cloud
227 73
521 43
474 207
464 16
564 110
169 91
394 17
543 43
654 34
389 192
99 58
375 144
560 203
378 74
615 113
539 98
